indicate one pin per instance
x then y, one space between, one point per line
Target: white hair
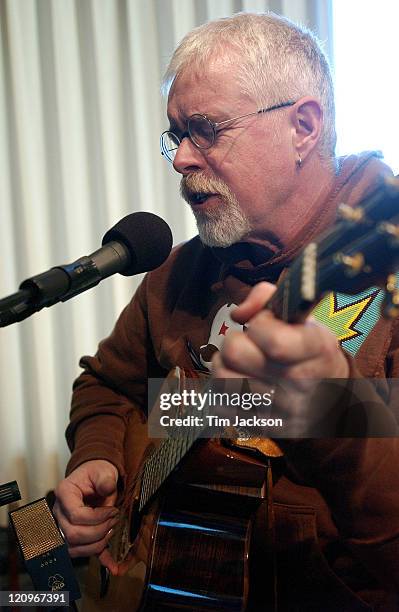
279 61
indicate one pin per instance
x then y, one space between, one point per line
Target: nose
188 158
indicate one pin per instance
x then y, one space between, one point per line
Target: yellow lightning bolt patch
341 320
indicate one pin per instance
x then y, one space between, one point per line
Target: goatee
218 226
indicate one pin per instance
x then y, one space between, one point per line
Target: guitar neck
298 290
352 255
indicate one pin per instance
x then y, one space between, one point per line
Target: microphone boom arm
138 243
62 283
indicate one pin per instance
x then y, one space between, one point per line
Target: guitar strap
351 318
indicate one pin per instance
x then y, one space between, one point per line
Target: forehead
214 90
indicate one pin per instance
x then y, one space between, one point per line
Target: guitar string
163 461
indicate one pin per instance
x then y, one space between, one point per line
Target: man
251 112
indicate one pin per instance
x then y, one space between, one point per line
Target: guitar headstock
359 251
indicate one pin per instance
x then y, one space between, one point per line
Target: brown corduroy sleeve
359 479
112 386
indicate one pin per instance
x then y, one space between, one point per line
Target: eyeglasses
202 131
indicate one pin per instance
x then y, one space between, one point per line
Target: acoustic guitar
197 520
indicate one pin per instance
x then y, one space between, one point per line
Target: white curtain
80 119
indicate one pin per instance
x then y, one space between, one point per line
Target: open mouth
200 198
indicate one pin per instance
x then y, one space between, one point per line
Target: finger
100 501
254 302
290 343
220 371
280 357
315 369
107 561
87 550
104 482
241 357
77 535
71 504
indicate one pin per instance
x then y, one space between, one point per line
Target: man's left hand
271 348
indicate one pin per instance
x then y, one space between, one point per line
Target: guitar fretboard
166 458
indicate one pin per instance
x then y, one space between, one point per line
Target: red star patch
223 329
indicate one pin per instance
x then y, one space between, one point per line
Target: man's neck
310 191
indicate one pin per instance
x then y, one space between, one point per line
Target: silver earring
299 161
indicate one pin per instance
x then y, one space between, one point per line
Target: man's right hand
85 510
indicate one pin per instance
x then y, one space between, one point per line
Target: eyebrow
175 122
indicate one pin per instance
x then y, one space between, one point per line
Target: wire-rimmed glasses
202 131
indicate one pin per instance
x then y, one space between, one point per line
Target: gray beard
223 226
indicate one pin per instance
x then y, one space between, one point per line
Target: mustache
193 184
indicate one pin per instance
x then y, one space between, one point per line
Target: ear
307 120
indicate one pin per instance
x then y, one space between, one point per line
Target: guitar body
195 546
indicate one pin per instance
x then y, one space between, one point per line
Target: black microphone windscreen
146 236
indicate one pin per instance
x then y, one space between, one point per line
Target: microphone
138 243
45 553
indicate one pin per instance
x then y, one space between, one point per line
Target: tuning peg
348 213
391 299
354 264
